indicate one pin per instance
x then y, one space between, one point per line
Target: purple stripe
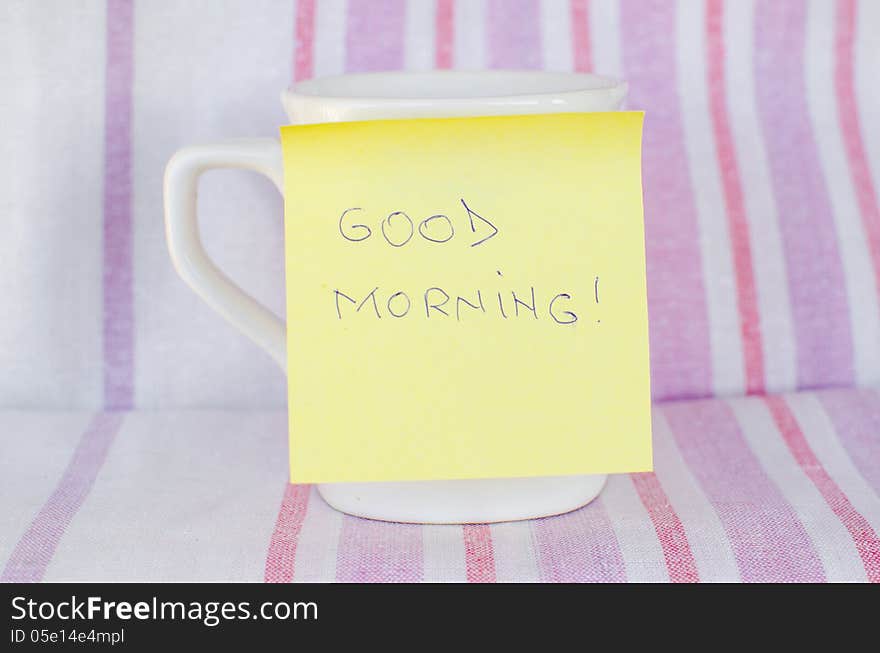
815 275
855 415
579 547
374 551
375 35
35 549
379 552
514 34
679 326
118 304
767 538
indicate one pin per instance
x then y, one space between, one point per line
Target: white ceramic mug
371 97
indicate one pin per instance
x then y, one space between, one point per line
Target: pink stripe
679 327
118 299
579 547
580 35
37 546
374 41
281 558
866 540
445 33
815 275
747 300
855 415
303 57
676 549
852 132
514 34
379 552
375 35
768 541
479 554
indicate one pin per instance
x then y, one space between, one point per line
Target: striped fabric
781 488
761 170
761 166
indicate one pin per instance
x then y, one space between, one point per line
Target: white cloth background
204 70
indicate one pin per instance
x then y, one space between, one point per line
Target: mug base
470 501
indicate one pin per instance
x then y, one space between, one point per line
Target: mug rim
524 83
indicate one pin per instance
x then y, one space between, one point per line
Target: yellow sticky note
466 298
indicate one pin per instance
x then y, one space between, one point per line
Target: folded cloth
784 488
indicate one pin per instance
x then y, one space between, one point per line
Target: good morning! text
397 228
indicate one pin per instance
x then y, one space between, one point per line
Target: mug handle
182 173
